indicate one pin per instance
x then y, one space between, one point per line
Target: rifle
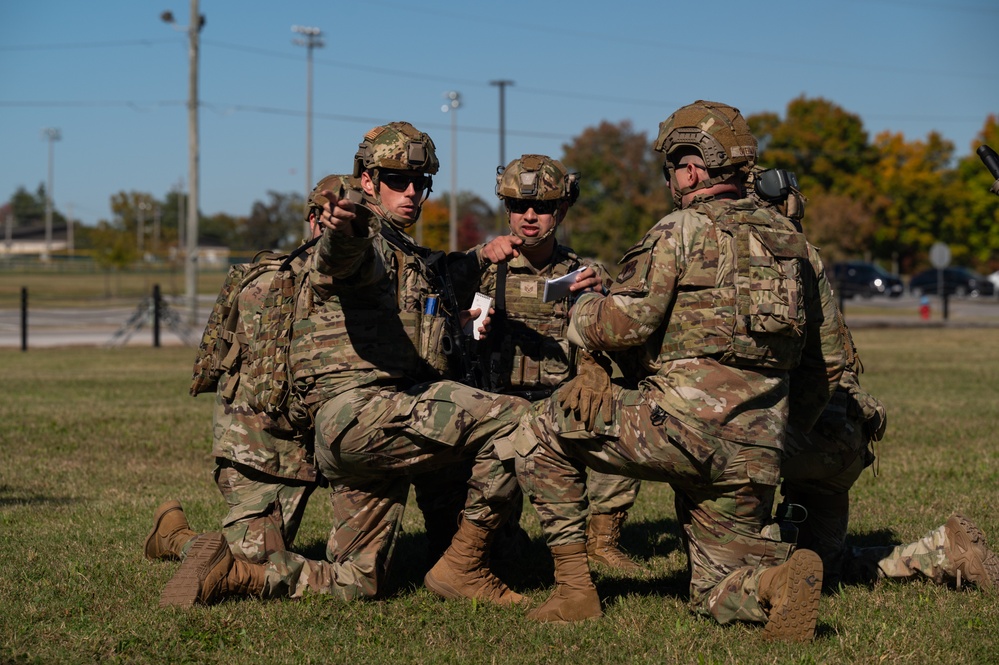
991 161
456 345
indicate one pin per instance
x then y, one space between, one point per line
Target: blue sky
112 78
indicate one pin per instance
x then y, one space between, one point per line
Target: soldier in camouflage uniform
819 468
821 465
529 354
368 369
726 299
264 463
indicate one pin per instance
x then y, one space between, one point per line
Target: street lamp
193 30
312 39
52 135
452 106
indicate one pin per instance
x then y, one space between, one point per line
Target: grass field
94 439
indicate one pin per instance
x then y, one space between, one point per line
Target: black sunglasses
400 182
520 206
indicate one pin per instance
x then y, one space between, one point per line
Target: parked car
959 282
859 278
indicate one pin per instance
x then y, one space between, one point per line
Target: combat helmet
538 178
717 132
336 183
398 146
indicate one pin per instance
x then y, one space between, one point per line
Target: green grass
94 439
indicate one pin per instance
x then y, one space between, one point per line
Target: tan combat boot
210 573
603 535
969 554
170 532
791 592
463 571
575 598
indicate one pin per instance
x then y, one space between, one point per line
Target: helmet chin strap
395 220
680 192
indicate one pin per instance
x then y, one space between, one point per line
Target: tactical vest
220 352
374 333
754 314
534 353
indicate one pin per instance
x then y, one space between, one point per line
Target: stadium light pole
193 30
452 106
311 39
51 134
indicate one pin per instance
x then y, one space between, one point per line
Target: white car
994 278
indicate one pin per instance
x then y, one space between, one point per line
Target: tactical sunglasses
400 182
520 206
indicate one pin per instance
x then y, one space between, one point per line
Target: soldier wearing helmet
264 466
395 165
529 353
370 376
720 297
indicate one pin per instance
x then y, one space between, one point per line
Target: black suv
859 278
957 281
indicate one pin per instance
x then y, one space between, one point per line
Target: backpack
219 350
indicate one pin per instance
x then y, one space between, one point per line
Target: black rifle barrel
990 158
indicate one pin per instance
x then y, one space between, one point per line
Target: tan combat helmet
338 184
401 147
717 132
538 178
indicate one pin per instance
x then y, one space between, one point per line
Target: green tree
274 224
908 196
977 209
622 190
826 146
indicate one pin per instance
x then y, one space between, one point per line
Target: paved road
109 326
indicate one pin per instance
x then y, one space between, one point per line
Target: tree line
885 199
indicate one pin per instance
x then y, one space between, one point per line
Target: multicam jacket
692 268
360 319
242 433
533 354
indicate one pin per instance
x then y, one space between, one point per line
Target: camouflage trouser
819 468
370 443
610 493
264 512
926 557
724 503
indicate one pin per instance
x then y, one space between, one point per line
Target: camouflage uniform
534 357
264 464
821 466
368 368
710 424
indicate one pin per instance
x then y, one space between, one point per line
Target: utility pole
452 106
69 230
312 39
52 135
140 230
502 118
501 84
197 22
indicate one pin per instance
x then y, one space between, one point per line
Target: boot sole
795 619
185 586
972 555
147 547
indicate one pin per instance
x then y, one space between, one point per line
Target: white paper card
556 289
482 302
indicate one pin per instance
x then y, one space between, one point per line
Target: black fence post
24 318
156 315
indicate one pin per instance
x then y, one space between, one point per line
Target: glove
589 392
